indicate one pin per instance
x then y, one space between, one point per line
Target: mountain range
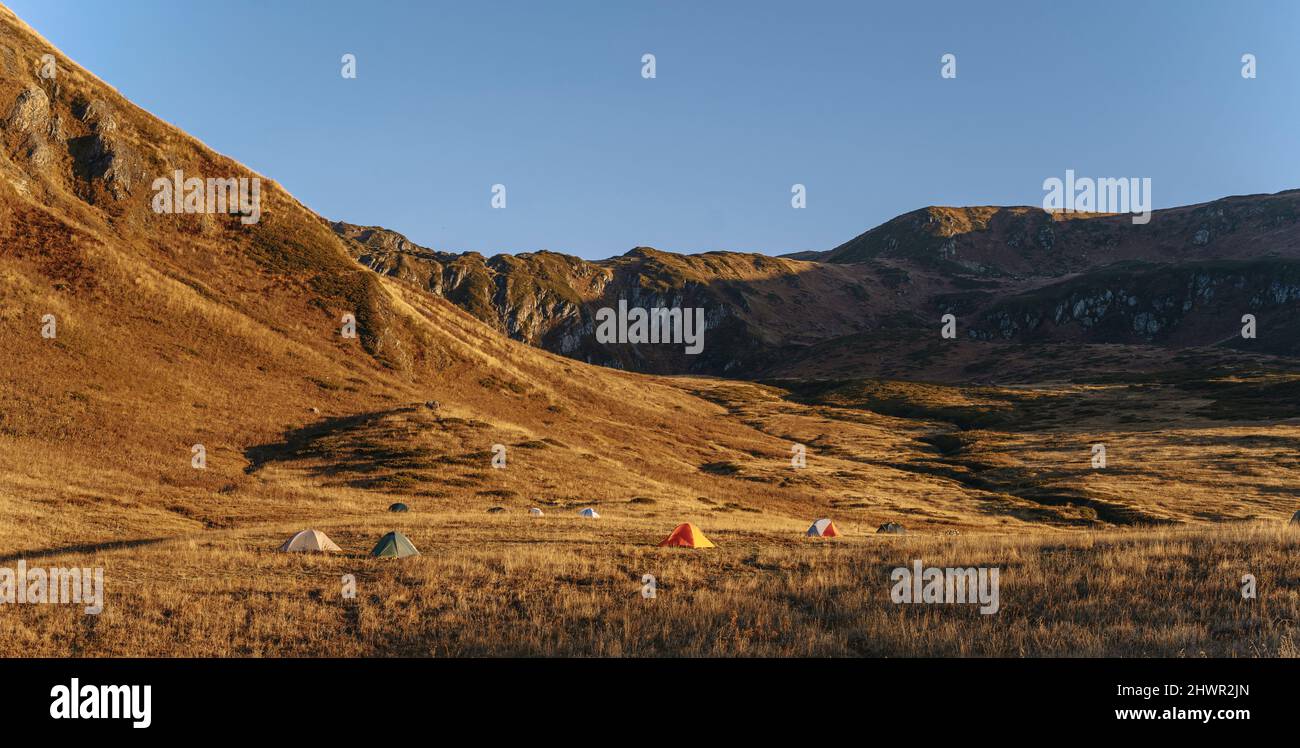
1011 276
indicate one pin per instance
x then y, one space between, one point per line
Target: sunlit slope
175 331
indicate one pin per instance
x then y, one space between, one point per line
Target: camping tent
399 507
309 540
589 512
394 545
823 528
686 536
1295 518
535 512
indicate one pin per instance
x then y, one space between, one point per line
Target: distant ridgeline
1174 279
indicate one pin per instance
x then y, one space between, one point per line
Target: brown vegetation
183 330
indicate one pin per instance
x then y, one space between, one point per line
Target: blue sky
750 98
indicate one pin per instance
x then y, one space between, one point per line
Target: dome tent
394 545
589 513
823 528
686 535
309 540
399 507
535 512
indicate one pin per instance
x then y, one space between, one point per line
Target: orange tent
686 536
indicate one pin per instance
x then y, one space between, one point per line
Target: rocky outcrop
32 127
751 302
1182 305
102 157
1011 275
37 135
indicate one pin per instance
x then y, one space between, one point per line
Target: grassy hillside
172 332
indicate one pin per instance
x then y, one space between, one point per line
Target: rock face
30 112
752 303
32 127
102 157
39 135
1195 303
1008 275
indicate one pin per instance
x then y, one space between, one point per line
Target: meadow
559 585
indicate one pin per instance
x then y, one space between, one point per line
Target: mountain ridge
904 274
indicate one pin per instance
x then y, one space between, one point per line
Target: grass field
190 566
560 585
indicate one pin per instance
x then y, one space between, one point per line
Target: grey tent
399 507
394 545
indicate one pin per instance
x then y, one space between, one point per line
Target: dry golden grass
190 568
183 330
511 585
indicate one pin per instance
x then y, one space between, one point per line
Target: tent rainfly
589 512
399 507
394 545
823 528
686 536
310 540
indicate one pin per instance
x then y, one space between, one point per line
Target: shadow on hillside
114 545
409 450
309 441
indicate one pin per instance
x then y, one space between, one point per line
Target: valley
181 329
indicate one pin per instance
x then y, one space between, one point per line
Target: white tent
589 512
535 512
310 540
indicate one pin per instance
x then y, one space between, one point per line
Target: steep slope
170 332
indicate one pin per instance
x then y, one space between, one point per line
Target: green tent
394 545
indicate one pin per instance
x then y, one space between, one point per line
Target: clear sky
546 97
